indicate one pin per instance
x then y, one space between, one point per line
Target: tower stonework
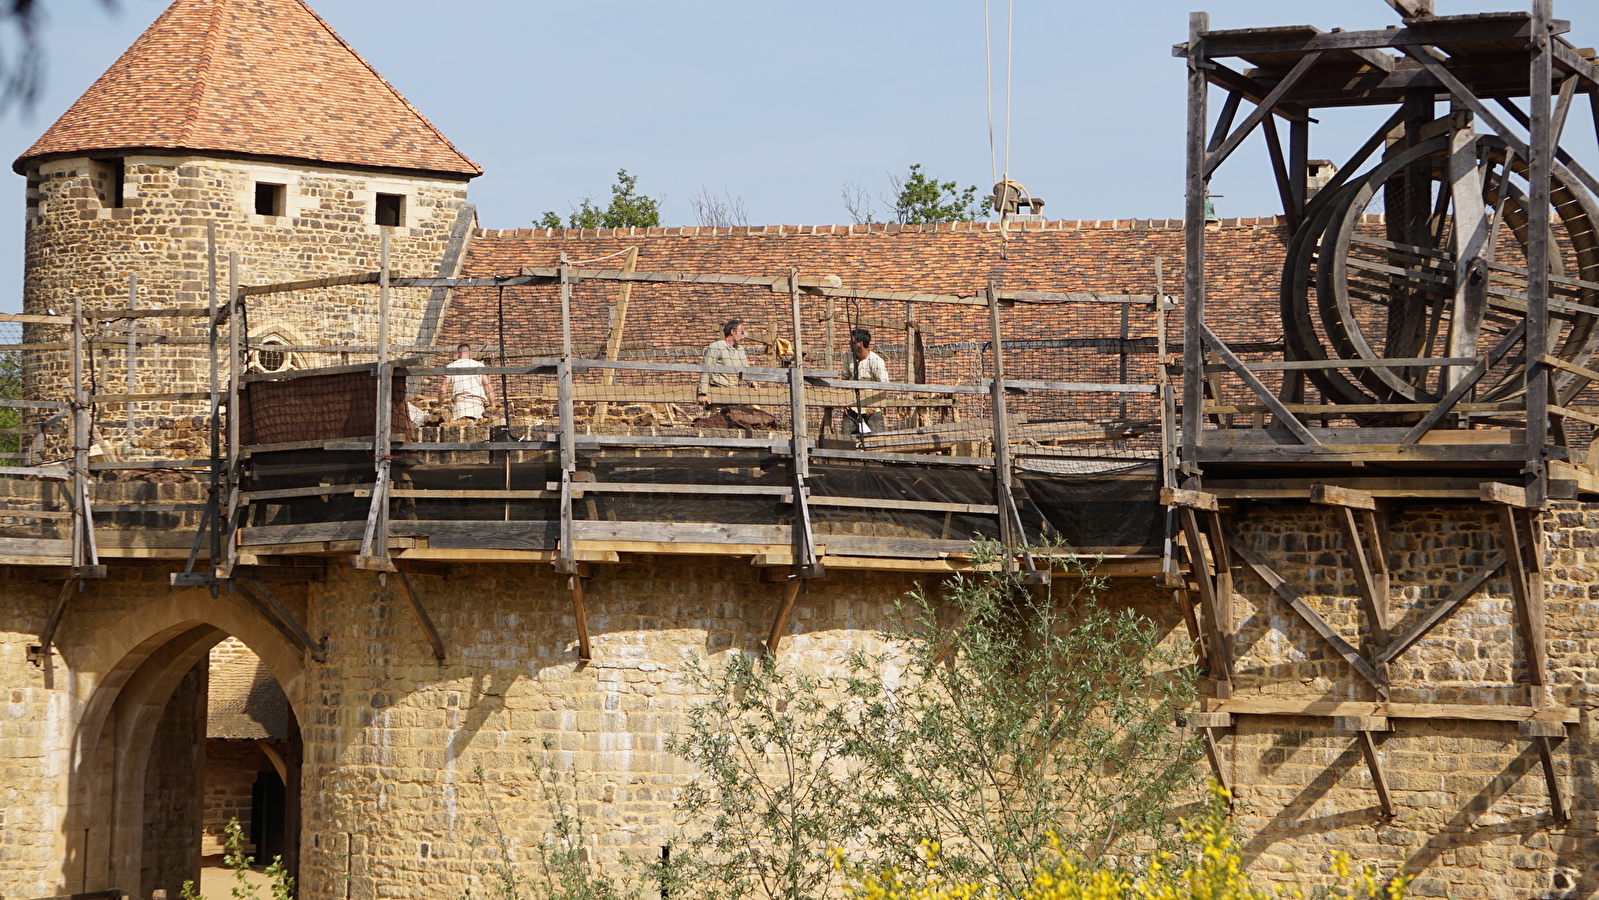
301 181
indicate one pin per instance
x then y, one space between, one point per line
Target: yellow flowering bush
1212 871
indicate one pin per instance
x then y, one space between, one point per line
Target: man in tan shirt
725 352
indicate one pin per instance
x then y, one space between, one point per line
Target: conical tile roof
259 77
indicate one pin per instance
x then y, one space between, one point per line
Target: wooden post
804 544
1009 534
79 436
566 557
216 392
827 336
1194 249
565 277
378 548
222 565
1540 169
1168 396
613 342
133 371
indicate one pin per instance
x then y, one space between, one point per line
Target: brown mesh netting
318 407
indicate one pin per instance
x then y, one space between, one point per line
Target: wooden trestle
1460 393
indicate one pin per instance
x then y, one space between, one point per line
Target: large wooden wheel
1355 290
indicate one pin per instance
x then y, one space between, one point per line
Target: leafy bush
1002 722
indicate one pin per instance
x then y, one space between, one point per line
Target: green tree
918 200
628 209
10 389
1002 721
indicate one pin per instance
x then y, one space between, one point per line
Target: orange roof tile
260 77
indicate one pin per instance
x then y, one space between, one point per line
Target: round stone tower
254 115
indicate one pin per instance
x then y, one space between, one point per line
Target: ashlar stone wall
412 766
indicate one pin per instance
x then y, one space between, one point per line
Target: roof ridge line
391 88
191 116
981 226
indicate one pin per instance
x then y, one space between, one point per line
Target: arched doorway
136 806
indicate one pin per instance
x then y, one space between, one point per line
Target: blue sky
779 104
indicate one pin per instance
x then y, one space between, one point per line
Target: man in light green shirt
725 352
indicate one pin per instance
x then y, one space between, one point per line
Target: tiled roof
258 77
1245 261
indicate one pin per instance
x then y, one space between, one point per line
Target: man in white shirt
863 365
470 394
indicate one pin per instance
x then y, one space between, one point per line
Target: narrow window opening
108 177
390 209
268 199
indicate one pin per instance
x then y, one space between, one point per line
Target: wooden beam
1373 590
1442 611
1310 616
1350 498
421 613
1182 499
1504 494
1213 755
53 620
282 616
1289 706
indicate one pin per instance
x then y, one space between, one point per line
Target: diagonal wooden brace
1545 736
1366 728
421 613
268 604
48 633
1310 616
1442 611
780 621
1267 396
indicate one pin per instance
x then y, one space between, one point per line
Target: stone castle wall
412 764
84 242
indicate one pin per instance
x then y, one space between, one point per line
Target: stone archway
137 665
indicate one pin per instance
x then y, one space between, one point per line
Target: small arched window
271 354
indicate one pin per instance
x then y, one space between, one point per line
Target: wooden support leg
1545 736
1213 754
1524 561
422 617
1368 747
1185 604
1214 626
580 613
780 621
